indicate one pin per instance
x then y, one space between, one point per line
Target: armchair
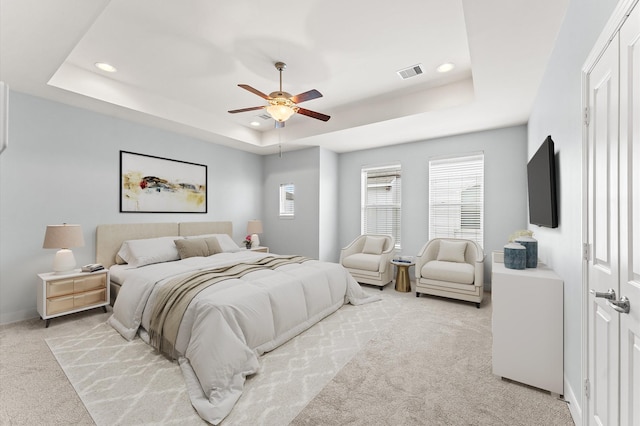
367 259
451 267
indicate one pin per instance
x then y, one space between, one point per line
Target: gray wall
313 230
557 112
505 186
62 165
300 234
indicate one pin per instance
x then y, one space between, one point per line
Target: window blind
456 198
381 201
287 207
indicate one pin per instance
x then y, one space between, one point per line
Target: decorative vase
531 244
515 256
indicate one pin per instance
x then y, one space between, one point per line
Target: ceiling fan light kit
281 109
281 105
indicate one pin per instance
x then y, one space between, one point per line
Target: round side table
403 283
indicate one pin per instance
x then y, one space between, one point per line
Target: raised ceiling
179 63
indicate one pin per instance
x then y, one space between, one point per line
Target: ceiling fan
281 105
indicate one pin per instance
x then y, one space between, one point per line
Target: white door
630 218
603 231
614 230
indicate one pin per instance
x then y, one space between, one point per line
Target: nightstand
65 294
260 248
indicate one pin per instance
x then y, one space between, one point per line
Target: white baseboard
575 407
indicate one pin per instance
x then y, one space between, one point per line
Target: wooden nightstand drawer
59 304
90 282
90 298
60 287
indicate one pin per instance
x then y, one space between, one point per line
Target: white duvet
228 325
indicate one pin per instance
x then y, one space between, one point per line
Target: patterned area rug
128 383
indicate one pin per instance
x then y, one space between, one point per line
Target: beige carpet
432 367
403 360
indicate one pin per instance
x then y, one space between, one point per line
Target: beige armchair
367 259
452 268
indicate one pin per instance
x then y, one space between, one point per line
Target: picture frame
150 184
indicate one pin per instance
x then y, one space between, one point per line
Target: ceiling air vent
410 72
264 116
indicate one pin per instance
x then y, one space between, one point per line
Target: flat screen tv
541 182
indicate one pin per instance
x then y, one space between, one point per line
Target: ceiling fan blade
306 96
254 91
314 114
246 109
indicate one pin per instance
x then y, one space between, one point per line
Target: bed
190 291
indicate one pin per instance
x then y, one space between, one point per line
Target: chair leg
478 305
417 294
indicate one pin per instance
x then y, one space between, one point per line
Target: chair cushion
456 272
373 245
363 261
452 251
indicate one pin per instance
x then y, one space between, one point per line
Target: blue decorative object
515 256
531 244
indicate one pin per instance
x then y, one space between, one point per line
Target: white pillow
147 251
373 245
452 251
225 243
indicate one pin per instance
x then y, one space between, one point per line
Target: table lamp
63 237
254 227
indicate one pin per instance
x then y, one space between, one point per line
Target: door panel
630 218
605 334
603 229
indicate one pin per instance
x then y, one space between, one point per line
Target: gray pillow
192 247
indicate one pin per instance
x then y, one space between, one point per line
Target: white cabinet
528 326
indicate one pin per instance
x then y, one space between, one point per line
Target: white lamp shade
63 237
280 112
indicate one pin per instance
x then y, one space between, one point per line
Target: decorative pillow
373 245
212 245
452 251
147 251
192 247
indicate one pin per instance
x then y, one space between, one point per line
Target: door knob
609 294
623 305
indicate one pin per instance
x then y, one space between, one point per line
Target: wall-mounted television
541 184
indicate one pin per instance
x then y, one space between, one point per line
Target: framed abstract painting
150 184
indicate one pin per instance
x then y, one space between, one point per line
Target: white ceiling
179 63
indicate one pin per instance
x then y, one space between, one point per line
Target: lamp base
64 262
255 240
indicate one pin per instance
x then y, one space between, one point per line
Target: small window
287 200
456 198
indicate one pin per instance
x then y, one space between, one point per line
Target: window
286 200
381 195
456 197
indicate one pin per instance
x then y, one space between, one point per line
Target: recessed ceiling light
105 67
254 123
446 67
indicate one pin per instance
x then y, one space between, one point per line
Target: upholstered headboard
109 238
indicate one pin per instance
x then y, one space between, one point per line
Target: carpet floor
401 361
